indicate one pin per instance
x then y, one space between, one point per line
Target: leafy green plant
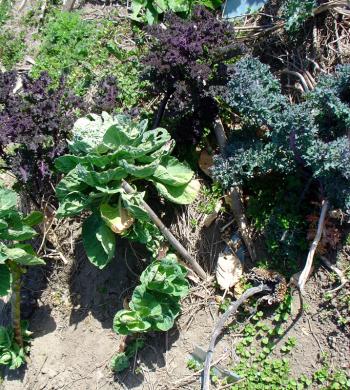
120 361
154 305
14 257
296 12
5 8
88 51
151 11
11 353
12 48
105 151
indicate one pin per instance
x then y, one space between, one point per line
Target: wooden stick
236 195
221 323
306 271
169 236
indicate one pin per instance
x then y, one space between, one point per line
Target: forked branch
221 323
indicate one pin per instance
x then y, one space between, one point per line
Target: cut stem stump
169 236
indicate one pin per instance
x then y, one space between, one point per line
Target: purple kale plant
35 119
182 64
106 96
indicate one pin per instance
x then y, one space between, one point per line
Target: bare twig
236 195
221 323
169 236
306 271
343 280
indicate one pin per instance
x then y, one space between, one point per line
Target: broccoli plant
182 65
309 140
105 151
154 305
14 257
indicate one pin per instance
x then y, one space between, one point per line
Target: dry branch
236 195
343 280
169 236
306 271
221 323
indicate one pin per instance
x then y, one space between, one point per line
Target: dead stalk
306 271
168 235
221 323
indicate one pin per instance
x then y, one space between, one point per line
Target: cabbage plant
104 151
15 255
154 305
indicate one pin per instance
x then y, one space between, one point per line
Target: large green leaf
67 163
88 132
94 179
133 203
128 322
185 194
34 218
8 199
73 204
24 255
98 241
70 183
163 151
18 232
3 224
5 284
139 171
172 172
5 338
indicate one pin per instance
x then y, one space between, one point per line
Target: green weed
12 49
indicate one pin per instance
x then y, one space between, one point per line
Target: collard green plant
15 255
105 150
11 354
154 306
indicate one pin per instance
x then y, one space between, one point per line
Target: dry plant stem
236 195
306 271
343 280
16 273
221 323
169 236
68 5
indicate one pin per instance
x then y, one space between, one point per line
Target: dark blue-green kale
310 139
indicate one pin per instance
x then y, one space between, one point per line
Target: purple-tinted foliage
182 63
34 125
106 96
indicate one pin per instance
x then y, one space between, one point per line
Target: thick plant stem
168 235
68 5
236 195
16 273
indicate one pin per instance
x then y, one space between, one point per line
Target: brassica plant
15 255
154 305
105 150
